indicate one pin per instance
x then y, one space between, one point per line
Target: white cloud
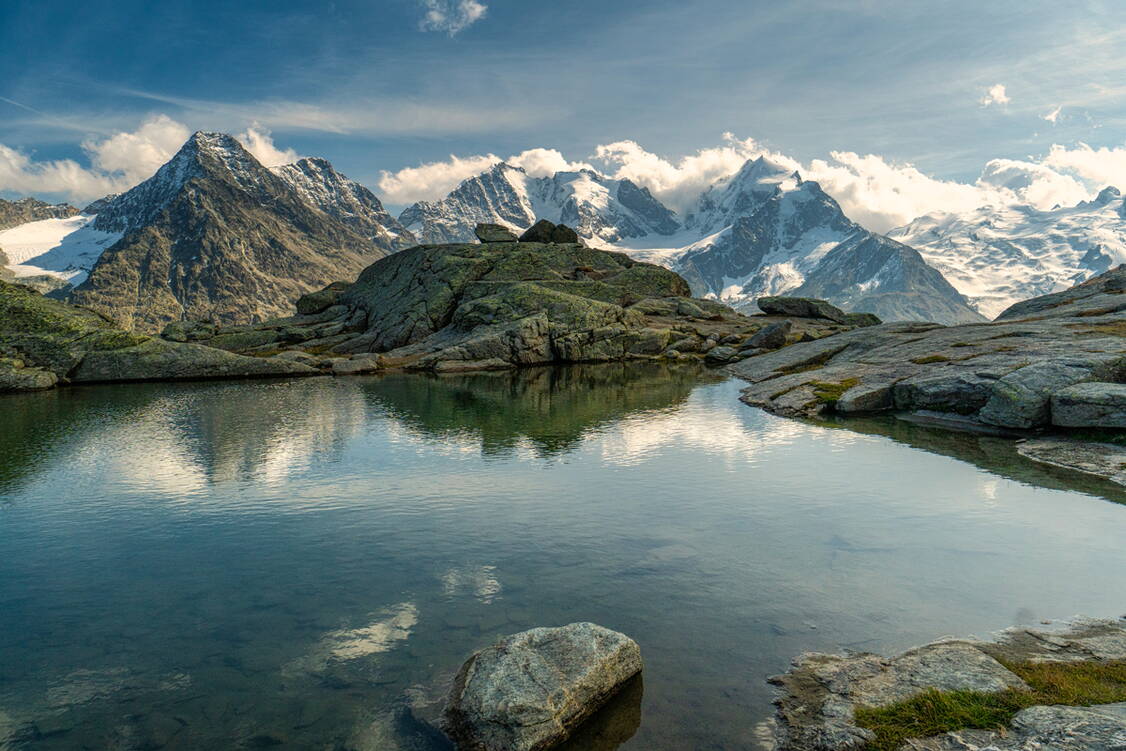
259 142
1053 116
995 94
1032 183
1098 167
433 180
137 155
117 162
678 182
451 16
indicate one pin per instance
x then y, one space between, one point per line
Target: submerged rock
530 691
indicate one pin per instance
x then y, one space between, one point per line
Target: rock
317 302
188 331
721 355
1021 398
1100 459
358 365
1001 374
1059 728
802 307
14 376
544 231
530 691
862 319
494 233
158 360
772 336
1090 405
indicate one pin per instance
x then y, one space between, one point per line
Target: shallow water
279 564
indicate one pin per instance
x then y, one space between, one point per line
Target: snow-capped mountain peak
601 209
203 154
740 194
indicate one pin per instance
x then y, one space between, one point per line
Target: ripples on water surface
241 565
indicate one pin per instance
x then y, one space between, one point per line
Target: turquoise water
284 564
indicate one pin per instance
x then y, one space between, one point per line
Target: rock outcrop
1007 374
45 342
502 304
531 690
819 695
14 213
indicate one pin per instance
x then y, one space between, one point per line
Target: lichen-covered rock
531 690
321 300
1090 405
544 231
802 307
44 342
494 233
1098 728
1001 374
772 336
819 694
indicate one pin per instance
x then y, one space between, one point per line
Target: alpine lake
295 564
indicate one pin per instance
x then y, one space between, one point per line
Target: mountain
14 213
320 185
999 255
599 208
766 232
214 235
761 231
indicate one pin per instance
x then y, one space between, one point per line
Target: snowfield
64 248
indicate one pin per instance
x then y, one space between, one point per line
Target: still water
285 564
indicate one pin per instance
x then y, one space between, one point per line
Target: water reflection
549 409
265 563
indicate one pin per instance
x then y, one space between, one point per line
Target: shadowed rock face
1001 374
530 691
45 342
14 213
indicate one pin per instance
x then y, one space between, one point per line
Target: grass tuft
830 393
933 712
929 359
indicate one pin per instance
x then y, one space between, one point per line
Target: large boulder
321 300
772 336
544 231
494 233
803 307
1090 405
531 690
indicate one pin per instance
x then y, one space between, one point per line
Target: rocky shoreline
820 694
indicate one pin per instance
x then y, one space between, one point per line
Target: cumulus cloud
995 94
1099 167
679 181
259 142
1054 115
117 162
433 180
451 16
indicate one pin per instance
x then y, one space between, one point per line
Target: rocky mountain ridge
216 235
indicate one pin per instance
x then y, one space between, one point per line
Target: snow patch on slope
64 248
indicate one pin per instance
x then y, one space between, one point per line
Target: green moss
933 712
829 393
929 359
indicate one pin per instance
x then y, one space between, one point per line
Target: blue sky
374 86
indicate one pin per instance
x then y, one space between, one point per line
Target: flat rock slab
1099 459
531 690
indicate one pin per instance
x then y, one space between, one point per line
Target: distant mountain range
762 231
999 255
216 235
